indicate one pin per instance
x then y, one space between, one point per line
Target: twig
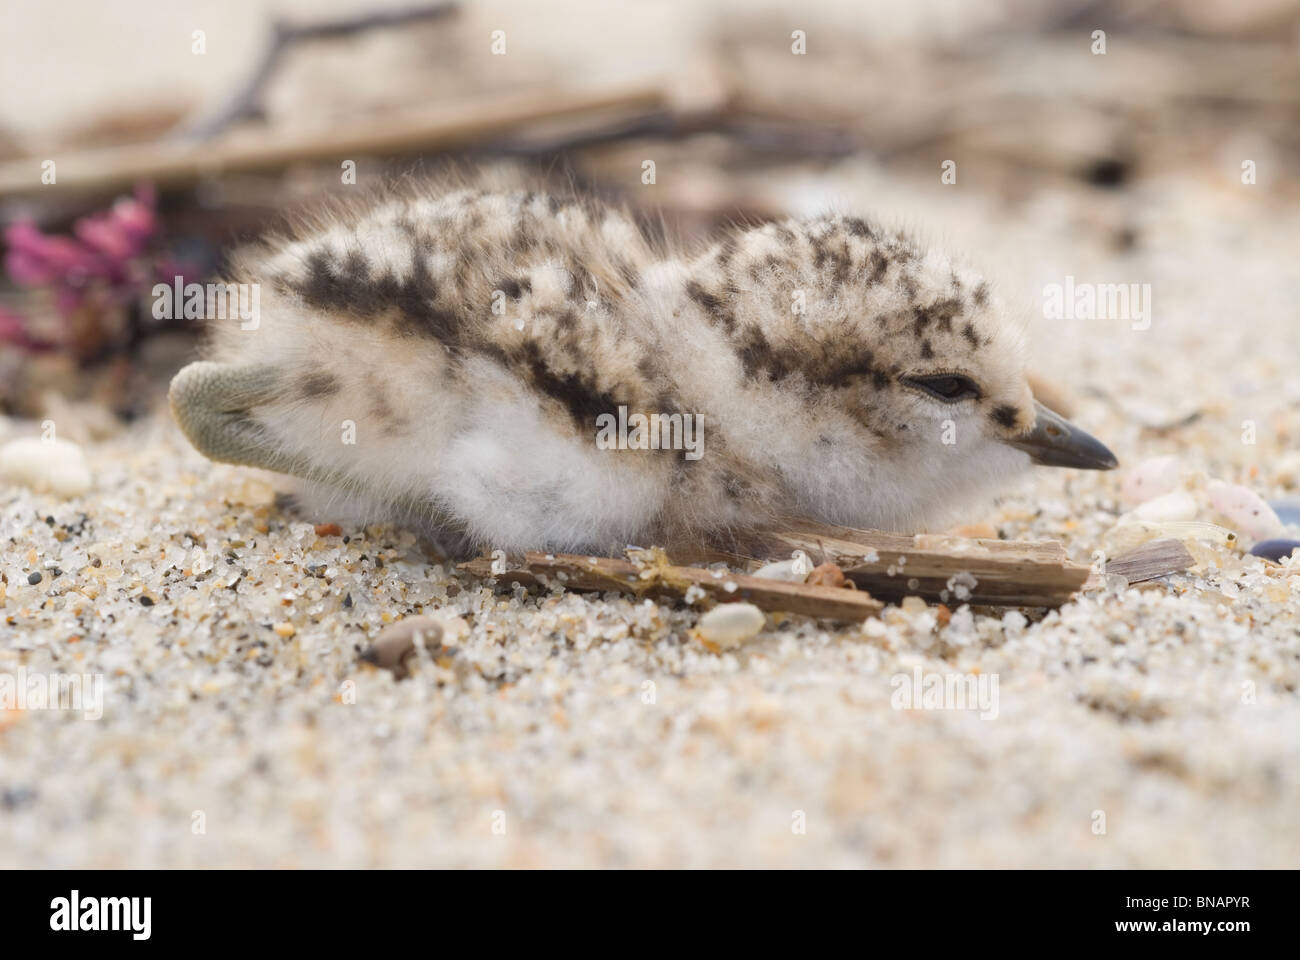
283 35
934 567
407 132
660 579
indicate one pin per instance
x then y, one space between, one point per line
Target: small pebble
1245 510
1275 550
34 578
731 624
285 630
1150 479
396 644
56 466
328 530
1116 582
914 605
1178 505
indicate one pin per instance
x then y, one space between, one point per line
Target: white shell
1245 510
781 570
731 624
1150 479
1179 505
53 465
1133 533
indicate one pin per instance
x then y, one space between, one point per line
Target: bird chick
484 363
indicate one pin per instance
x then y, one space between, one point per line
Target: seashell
731 624
1168 507
1150 479
53 465
781 570
1155 558
1131 534
1275 550
1245 510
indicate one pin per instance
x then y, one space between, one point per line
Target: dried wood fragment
659 578
935 567
436 128
1156 558
884 566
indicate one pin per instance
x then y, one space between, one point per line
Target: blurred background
176 131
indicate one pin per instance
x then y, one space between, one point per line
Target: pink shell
1150 479
1244 510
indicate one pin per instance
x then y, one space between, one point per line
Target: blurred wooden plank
439 128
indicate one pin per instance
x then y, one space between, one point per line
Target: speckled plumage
473 335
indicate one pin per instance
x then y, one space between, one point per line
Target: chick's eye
949 387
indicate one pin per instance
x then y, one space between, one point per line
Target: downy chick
456 358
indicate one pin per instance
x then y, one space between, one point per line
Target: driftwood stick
658 578
884 566
893 566
434 129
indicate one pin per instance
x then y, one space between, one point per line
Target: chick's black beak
1056 442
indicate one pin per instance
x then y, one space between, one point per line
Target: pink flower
120 234
93 278
37 260
103 250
